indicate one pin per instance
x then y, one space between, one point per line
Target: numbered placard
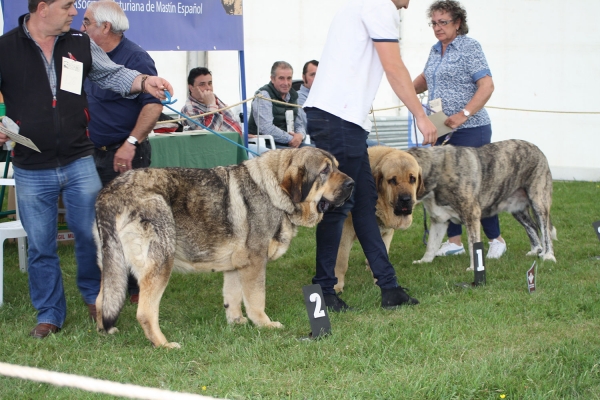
596 226
479 267
531 272
317 311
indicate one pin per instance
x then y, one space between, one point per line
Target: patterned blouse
223 121
453 77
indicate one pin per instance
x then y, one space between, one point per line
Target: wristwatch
133 140
464 110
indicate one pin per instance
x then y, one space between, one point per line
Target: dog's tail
115 268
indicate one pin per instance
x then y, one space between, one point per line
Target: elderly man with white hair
119 126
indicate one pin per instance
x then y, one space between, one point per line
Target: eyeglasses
86 22
441 22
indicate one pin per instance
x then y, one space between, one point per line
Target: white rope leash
94 385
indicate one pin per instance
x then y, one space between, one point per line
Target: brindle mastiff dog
398 179
227 219
465 184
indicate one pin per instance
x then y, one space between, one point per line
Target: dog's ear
420 184
378 177
292 183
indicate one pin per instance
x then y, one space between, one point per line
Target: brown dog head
398 179
314 183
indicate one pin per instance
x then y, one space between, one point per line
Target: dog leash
168 101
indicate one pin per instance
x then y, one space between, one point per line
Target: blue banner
158 25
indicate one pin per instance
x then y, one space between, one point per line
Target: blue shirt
453 77
113 117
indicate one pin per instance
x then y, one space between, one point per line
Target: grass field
491 342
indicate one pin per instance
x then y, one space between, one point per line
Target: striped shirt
223 121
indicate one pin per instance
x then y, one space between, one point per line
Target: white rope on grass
94 385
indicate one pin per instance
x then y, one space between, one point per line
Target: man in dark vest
269 118
42 84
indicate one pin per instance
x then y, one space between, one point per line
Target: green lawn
491 342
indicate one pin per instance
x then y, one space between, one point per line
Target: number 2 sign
317 311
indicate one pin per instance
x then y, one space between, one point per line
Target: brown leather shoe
43 330
92 311
134 298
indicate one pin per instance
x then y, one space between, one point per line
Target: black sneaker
335 304
392 298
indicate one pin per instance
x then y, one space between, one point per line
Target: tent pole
244 105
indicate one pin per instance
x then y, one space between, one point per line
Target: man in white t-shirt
361 45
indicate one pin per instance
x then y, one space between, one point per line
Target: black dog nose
349 184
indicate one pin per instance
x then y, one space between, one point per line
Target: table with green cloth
196 149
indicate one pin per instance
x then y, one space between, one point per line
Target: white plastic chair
12 230
263 141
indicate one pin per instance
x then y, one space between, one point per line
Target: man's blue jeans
37 196
347 142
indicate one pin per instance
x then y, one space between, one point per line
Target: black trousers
104 160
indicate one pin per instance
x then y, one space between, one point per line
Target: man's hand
296 140
156 87
3 139
124 157
428 130
207 97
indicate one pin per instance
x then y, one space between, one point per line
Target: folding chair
11 230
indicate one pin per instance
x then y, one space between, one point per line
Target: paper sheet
19 139
438 120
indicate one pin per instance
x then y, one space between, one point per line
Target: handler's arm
485 88
420 84
399 78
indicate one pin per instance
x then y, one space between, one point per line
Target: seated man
268 118
308 76
202 100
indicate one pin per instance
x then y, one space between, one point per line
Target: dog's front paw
273 324
238 320
548 257
421 261
171 345
534 251
470 269
111 331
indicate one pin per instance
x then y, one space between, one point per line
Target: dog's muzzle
344 194
404 205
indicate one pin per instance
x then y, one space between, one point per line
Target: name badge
436 105
72 76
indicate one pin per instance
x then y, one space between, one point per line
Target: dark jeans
473 137
347 142
104 160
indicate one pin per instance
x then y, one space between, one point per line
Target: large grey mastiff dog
231 219
465 184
